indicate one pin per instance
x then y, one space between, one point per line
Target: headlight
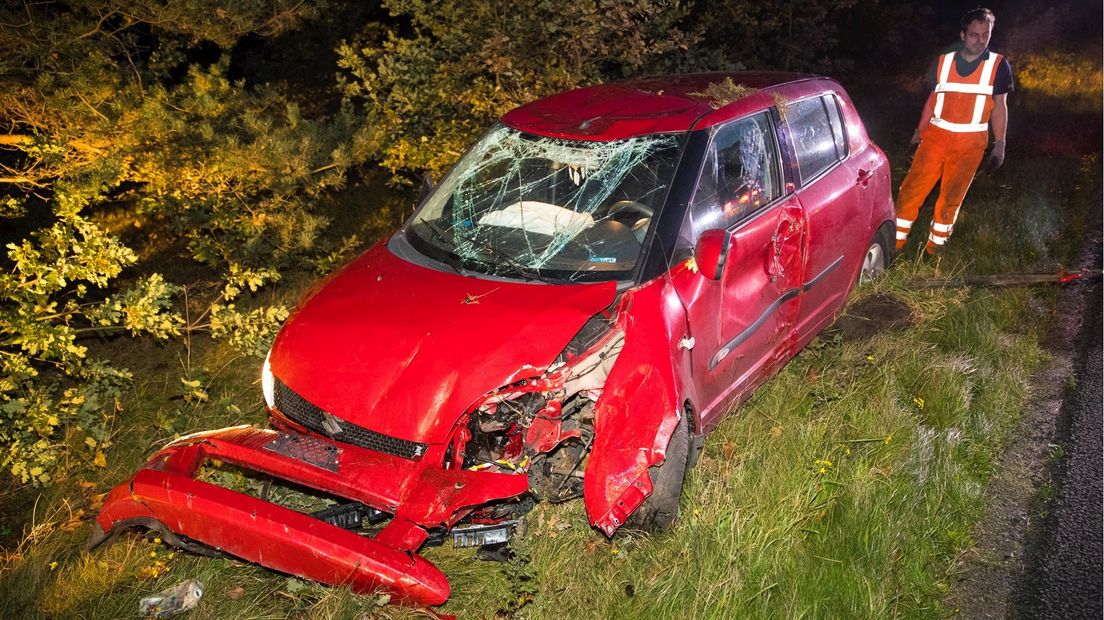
268 382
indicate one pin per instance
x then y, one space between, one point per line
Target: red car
599 280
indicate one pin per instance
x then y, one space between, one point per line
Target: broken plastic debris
175 600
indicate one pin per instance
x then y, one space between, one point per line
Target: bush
111 105
428 90
1061 74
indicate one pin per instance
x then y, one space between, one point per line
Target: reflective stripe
987 71
986 75
937 240
983 89
945 66
902 235
958 87
959 127
944 73
979 109
906 224
943 228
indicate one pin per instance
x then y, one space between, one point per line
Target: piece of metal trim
724 351
820 276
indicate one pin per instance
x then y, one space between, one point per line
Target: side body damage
639 410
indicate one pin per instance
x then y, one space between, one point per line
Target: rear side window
817 132
740 174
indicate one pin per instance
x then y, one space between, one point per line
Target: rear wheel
659 510
878 256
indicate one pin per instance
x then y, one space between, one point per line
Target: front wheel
659 510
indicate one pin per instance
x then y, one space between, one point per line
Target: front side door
742 321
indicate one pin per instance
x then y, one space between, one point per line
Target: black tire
661 508
879 254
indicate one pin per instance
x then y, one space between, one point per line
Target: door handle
864 177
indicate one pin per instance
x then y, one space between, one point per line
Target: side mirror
710 252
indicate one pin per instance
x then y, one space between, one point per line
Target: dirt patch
872 315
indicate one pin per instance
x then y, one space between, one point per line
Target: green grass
801 507
832 493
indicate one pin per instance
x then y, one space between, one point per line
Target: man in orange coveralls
971 89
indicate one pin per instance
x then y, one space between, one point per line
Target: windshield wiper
525 271
456 262
453 261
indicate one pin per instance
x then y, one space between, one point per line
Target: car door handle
864 177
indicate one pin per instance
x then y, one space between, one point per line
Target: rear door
835 195
742 321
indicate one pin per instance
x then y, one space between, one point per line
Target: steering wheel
639 216
629 206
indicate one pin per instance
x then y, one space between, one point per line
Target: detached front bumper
420 495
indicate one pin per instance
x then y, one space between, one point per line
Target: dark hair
979 14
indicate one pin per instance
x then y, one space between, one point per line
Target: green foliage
1061 74
428 90
103 107
238 170
144 308
248 331
47 300
340 254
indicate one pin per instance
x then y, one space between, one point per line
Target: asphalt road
1065 578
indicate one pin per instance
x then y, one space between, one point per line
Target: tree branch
15 139
98 27
21 181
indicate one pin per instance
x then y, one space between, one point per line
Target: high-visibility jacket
962 104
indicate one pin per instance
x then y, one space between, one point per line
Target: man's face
976 37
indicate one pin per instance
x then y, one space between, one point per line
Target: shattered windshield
530 207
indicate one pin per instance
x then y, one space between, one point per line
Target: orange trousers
946 157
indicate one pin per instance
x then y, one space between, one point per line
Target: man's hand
914 143
995 159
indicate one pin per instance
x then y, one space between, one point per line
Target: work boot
930 249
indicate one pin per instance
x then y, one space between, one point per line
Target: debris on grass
178 599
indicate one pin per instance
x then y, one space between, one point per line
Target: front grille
311 416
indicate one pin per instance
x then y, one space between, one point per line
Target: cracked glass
520 206
740 175
818 142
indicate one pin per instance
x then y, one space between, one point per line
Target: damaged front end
479 360
166 495
388 497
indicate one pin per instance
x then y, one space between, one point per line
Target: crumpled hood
404 350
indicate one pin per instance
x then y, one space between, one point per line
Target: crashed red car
602 277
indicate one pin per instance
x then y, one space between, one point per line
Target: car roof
659 104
